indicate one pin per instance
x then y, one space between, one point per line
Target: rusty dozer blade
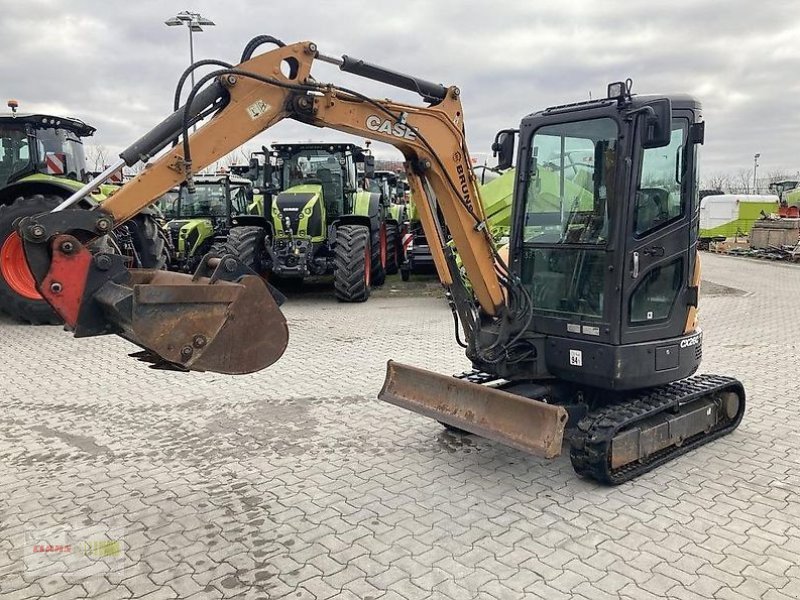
197 323
528 425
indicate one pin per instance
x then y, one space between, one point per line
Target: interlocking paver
298 481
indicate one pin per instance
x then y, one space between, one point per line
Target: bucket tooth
528 425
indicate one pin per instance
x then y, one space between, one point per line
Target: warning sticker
257 108
576 358
55 163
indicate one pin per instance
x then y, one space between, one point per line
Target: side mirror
369 166
657 123
503 148
253 168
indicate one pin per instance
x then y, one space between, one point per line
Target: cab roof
317 146
220 177
48 121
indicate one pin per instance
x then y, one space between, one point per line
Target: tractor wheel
379 253
392 248
405 273
18 295
148 241
353 260
247 244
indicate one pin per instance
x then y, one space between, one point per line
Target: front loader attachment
529 425
223 319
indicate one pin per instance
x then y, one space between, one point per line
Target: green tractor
41 164
496 189
220 212
323 221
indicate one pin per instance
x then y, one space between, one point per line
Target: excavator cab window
571 178
658 196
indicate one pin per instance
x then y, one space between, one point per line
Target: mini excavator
584 327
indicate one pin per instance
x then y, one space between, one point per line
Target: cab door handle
635 271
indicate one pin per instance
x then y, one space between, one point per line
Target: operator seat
652 208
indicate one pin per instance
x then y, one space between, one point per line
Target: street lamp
195 22
755 170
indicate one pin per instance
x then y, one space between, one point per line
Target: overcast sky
115 64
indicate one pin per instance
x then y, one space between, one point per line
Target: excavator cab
604 238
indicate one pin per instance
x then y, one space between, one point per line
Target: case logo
398 130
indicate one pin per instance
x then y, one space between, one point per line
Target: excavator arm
195 322
224 318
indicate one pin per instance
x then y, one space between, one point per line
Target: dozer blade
223 327
529 425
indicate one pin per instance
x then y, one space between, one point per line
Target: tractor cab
36 144
331 167
317 183
195 221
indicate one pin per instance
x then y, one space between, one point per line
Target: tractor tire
18 295
378 243
247 244
148 241
353 260
405 273
392 248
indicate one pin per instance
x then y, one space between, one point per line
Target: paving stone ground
297 483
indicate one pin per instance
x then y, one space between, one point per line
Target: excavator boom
198 322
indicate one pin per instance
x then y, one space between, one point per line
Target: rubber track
590 444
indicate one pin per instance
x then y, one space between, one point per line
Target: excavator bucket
223 319
223 327
529 425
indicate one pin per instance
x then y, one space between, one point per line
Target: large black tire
392 248
378 242
353 271
247 244
36 312
148 241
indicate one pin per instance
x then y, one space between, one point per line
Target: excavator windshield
571 174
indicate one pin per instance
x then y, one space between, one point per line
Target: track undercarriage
613 437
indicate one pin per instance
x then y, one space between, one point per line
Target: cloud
115 65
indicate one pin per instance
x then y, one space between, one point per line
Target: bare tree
97 156
744 180
777 175
718 181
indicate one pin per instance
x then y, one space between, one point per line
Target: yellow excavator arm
200 321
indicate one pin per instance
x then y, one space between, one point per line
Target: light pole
755 171
195 22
